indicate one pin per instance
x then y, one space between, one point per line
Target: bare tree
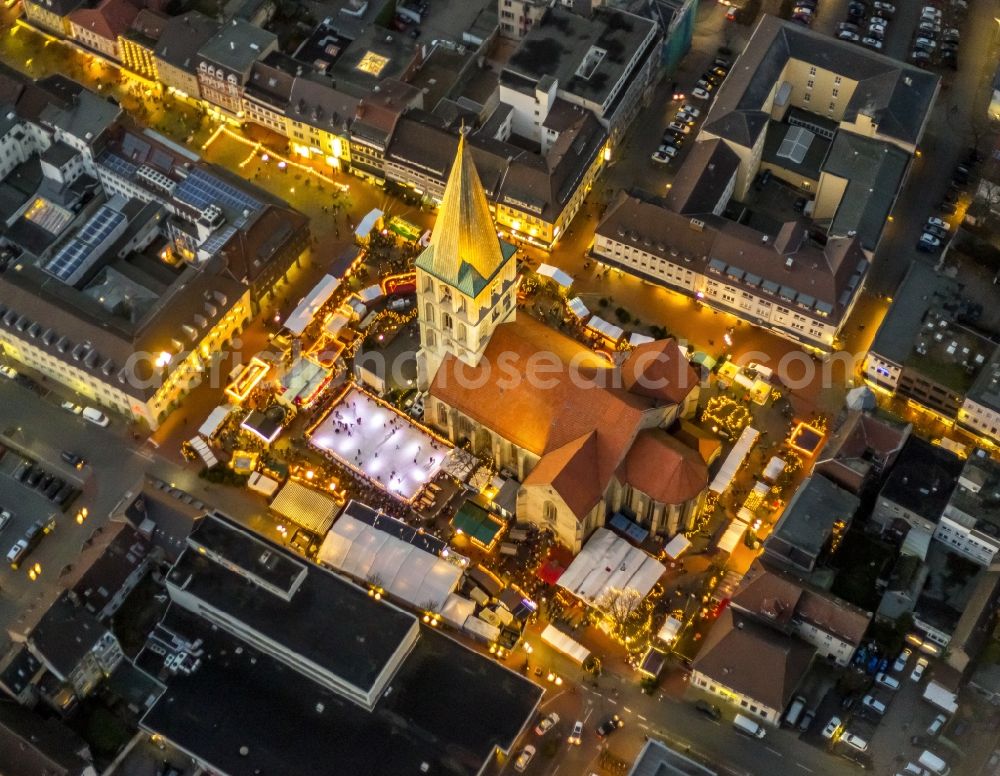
618 604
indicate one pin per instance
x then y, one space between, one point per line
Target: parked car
709 710
872 43
95 416
918 670
660 158
848 27
889 682
701 94
928 239
937 232
691 110
669 149
902 659
807 719
831 727
576 737
853 739
524 758
69 406
5 517
848 35
16 553
923 42
939 222
677 126
947 208
888 8
936 724
8 371
609 726
74 460
546 723
873 703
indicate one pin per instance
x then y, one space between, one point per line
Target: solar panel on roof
200 189
75 253
796 144
161 160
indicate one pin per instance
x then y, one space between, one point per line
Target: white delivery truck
933 763
748 727
795 710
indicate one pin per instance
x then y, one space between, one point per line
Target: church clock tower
466 277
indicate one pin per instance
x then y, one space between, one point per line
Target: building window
806 97
837 79
549 512
836 92
812 70
810 83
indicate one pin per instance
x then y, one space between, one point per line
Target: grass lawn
859 561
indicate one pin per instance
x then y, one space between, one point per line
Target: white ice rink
380 443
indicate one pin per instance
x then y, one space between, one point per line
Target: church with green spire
466 277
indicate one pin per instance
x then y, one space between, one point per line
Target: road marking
803 767
774 751
644 727
612 701
627 709
642 717
589 712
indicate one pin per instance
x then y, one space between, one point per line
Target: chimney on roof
789 261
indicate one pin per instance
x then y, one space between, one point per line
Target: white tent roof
762 489
304 506
732 536
724 478
262 484
676 546
774 468
457 610
204 451
481 628
578 308
310 304
563 643
635 339
370 293
214 420
670 629
609 562
407 572
368 223
560 277
336 324
609 330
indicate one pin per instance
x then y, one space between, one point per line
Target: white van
748 727
95 416
796 709
933 763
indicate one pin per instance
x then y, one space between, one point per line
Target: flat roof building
817 513
288 652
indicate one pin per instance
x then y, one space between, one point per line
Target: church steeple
464 250
466 278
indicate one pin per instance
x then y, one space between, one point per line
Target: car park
609 726
521 763
576 737
8 371
872 43
546 723
887 681
936 724
710 711
856 741
918 670
831 728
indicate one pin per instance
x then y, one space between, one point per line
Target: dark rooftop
355 645
19 671
65 634
448 707
923 478
32 746
809 517
126 553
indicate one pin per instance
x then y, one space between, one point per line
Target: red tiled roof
664 469
109 19
659 370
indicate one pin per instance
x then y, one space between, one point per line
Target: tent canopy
774 468
724 477
676 546
668 633
635 339
732 536
310 304
262 484
563 643
560 277
214 420
607 563
457 610
578 308
368 223
367 553
605 329
305 507
474 521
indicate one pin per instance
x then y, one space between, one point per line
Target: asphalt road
115 465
